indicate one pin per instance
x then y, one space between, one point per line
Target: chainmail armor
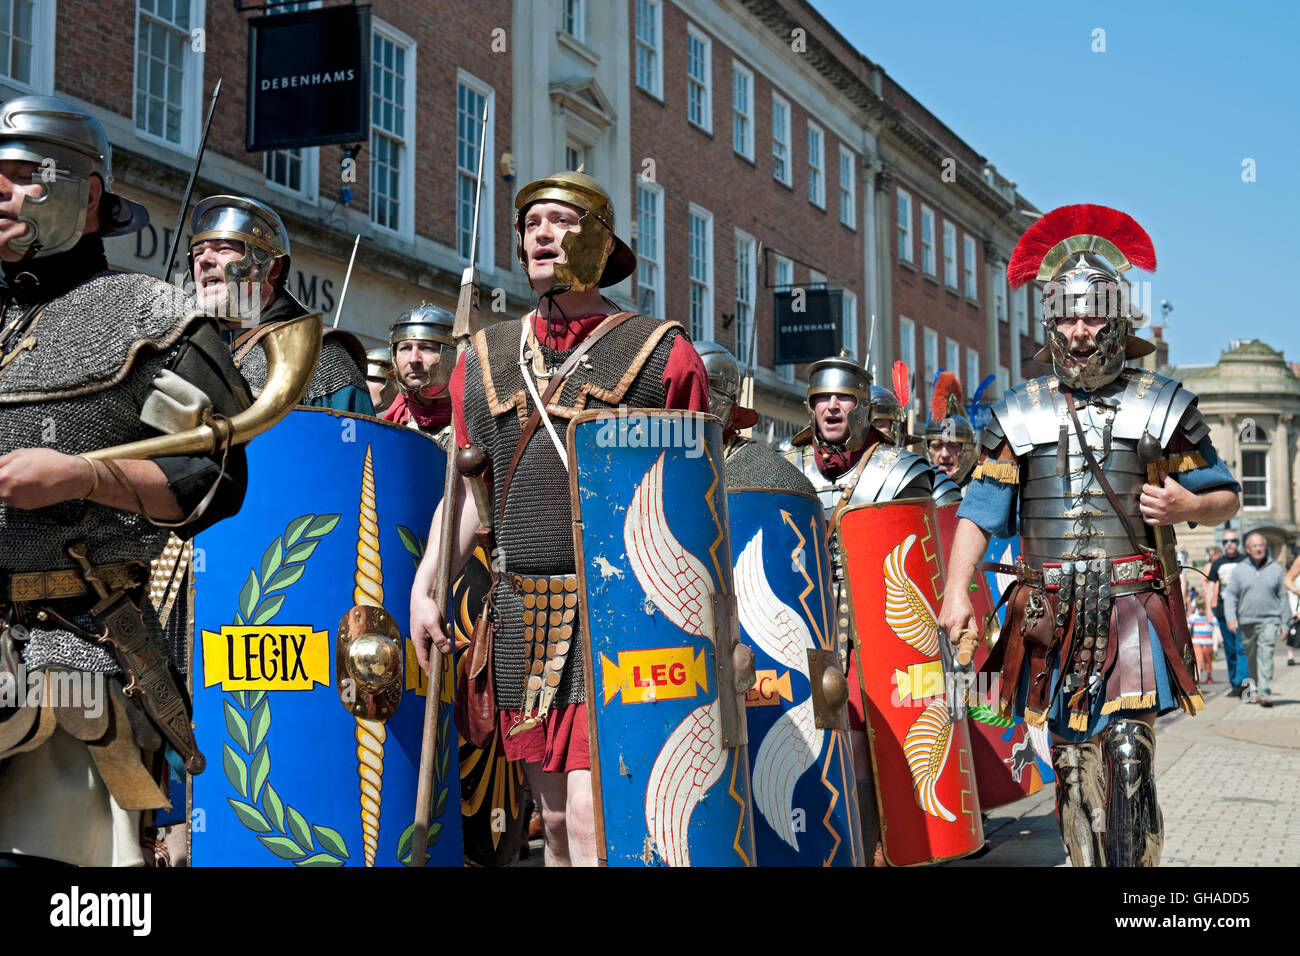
98 350
752 464
536 537
336 369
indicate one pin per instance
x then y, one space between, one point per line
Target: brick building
746 145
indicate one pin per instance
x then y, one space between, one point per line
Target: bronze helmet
586 265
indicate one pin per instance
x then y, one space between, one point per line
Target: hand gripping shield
1009 759
920 745
666 673
304 677
801 761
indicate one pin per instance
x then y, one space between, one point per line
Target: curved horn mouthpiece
292 351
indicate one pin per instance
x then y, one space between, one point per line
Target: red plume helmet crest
1119 229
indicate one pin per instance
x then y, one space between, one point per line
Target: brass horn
292 351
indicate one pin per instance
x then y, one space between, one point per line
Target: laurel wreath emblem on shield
281 828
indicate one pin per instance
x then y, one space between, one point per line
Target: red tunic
428 417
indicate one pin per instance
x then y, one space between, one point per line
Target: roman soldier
423 355
381 378
850 461
91 359
750 464
889 418
1092 464
239 259
512 395
949 436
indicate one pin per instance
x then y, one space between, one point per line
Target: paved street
1228 781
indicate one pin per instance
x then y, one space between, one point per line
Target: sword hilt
77 551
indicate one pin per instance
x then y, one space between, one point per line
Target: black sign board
309 78
809 324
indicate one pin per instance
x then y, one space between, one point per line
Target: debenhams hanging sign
308 78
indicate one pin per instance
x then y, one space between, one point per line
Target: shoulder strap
244 344
557 382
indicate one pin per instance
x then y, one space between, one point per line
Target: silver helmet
955 429
379 363
724 379
841 375
884 404
69 146
265 240
427 323
1079 253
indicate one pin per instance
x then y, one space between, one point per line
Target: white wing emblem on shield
679 585
907 612
674 579
793 743
926 748
688 765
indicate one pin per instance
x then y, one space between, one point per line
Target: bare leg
580 818
551 793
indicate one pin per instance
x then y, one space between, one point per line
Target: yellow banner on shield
249 657
664 673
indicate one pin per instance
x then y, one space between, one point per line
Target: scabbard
149 679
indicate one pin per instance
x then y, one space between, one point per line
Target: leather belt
61 583
1128 575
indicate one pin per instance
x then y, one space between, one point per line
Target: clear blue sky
1158 125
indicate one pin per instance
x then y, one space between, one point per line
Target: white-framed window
573 19
849 314
931 340
392 128
816 166
907 353
1004 379
1254 479
746 289
168 71
1019 311
575 155
949 254
27 44
972 283
472 97
783 277
972 373
904 226
927 239
699 72
953 356
742 110
1036 293
781 164
848 188
649 55
650 248
701 273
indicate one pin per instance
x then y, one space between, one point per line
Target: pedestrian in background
1293 627
1221 570
1256 600
1202 629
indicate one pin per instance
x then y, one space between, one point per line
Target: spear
189 187
464 327
338 309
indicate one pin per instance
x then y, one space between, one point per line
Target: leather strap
557 382
244 343
1101 479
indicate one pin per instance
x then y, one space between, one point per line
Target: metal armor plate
805 801
304 781
921 756
1007 767
669 766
